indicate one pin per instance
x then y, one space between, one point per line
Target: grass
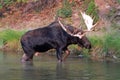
9 39
112 42
108 44
96 41
92 10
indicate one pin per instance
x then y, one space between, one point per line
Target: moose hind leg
28 55
67 53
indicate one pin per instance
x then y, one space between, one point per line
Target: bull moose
54 36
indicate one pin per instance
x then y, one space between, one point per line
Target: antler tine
95 24
64 27
88 21
76 35
61 24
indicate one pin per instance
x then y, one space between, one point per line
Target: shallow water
46 67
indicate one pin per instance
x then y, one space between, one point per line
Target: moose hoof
25 58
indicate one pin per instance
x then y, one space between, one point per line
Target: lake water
46 67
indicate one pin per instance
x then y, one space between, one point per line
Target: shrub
92 10
66 10
118 1
5 3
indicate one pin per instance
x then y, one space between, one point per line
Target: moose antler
88 21
62 25
76 35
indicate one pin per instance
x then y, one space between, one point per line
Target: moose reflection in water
72 69
31 72
45 67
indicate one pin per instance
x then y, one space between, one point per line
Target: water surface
46 67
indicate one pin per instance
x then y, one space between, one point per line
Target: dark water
46 67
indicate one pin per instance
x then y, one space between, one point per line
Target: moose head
78 32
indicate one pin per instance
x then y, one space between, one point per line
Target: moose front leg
59 55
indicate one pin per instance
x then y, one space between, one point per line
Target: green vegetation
6 3
10 39
105 43
22 0
119 1
96 41
112 42
92 10
109 43
66 10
